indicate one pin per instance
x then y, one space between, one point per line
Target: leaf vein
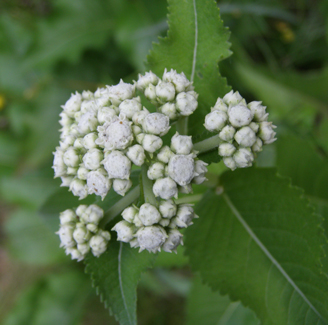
196 43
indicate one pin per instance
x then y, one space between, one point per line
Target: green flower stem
119 206
182 125
147 185
208 144
189 199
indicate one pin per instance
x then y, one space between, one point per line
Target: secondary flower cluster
243 129
154 228
79 232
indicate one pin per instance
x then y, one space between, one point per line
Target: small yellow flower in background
2 101
287 33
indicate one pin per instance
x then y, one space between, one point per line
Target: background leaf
195 43
115 275
260 242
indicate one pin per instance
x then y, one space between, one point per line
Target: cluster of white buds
155 228
173 95
175 168
242 128
79 232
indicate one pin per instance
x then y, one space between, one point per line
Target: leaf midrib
195 45
268 254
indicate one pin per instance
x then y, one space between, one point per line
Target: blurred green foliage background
49 49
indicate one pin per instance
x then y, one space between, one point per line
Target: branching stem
182 125
208 144
147 185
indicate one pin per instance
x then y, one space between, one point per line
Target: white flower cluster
175 168
153 228
79 232
243 129
173 95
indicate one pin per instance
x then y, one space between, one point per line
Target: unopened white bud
98 245
165 91
81 234
136 154
129 213
136 129
121 186
151 142
75 254
83 248
93 214
78 188
65 233
186 104
88 105
72 170
169 110
254 126
105 234
155 171
73 104
266 132
179 80
181 144
93 158
125 231
120 92
117 165
58 164
164 222
151 238
227 133
105 114
229 162
71 157
245 136
168 208
89 141
140 137
67 142
67 216
257 146
226 149
184 216
88 122
149 215
137 222
220 106
181 169
87 94
150 92
80 210
232 99
116 134
239 115
66 180
82 173
130 106
165 154
98 183
258 111
173 241
243 158
165 188
156 123
200 168
139 117
215 120
78 143
65 120
144 81
92 227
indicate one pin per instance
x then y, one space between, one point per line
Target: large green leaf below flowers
260 242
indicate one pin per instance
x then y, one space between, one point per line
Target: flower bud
232 99
266 132
179 80
150 92
151 238
120 92
257 146
66 180
245 137
173 241
93 214
186 104
58 164
215 120
83 248
75 254
98 245
82 173
149 215
156 123
155 171
121 186
105 114
93 158
258 111
71 157
87 94
81 234
227 133
65 233
151 142
243 158
130 106
88 122
165 154
65 120
181 169
137 222
184 216
73 104
78 144
67 142
169 110
254 126
98 183
80 210
165 188
229 162
78 188
88 105
181 144
239 115
168 208
129 213
139 117
67 216
89 141
144 81
125 231
220 106
165 91
117 165
226 149
164 222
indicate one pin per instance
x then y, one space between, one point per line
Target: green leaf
115 275
196 41
210 308
260 242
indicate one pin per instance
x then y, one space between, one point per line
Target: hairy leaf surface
115 274
196 41
260 242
